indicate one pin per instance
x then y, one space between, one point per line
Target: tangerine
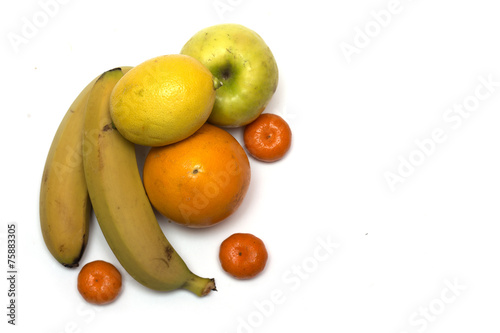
243 255
99 282
268 137
198 181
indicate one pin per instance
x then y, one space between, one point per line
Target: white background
399 251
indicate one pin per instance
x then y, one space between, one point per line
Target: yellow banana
64 201
121 205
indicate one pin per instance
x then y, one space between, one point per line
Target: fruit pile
196 173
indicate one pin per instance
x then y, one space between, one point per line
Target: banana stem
200 286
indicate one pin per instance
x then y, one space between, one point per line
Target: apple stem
217 83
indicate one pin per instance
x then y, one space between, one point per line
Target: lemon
162 100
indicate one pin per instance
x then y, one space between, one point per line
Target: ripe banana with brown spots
64 201
120 203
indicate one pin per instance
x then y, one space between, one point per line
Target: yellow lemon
162 100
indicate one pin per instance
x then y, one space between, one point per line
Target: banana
120 203
64 201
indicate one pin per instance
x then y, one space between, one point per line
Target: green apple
245 66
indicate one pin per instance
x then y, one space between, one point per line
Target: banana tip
73 265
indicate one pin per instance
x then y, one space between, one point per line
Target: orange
268 138
99 282
243 255
199 181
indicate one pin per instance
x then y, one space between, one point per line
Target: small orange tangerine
268 138
243 255
99 282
